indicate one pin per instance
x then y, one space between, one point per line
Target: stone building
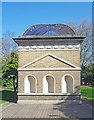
49 63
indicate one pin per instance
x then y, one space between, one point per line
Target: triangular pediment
49 61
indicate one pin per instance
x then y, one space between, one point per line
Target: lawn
7 95
87 93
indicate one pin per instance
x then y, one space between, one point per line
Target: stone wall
48 97
69 52
58 79
72 56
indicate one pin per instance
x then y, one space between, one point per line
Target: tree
9 70
87 54
8 45
88 75
8 58
84 29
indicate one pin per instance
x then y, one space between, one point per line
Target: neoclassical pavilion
49 63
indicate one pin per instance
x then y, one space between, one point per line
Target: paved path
59 110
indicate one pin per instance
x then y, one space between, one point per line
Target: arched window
48 84
67 84
30 84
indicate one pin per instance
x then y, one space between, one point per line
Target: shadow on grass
9 96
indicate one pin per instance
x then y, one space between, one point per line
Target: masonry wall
27 55
48 97
58 79
72 56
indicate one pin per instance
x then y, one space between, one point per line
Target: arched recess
48 84
30 84
67 84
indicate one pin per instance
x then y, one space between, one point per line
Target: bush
88 75
92 85
6 82
0 81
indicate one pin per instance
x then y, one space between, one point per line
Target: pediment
49 61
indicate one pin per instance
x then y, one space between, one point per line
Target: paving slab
58 110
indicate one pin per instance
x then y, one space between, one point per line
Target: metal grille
49 30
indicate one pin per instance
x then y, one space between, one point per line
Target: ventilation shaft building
49 63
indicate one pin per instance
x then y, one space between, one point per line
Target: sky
47 0
18 16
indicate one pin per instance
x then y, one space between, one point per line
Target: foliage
87 93
9 70
8 95
6 82
88 75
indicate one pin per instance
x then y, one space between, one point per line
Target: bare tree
8 45
84 29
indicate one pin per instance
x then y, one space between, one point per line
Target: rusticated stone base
49 101
48 97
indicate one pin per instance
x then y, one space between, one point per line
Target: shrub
6 82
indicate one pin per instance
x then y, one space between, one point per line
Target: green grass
7 95
87 93
3 101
